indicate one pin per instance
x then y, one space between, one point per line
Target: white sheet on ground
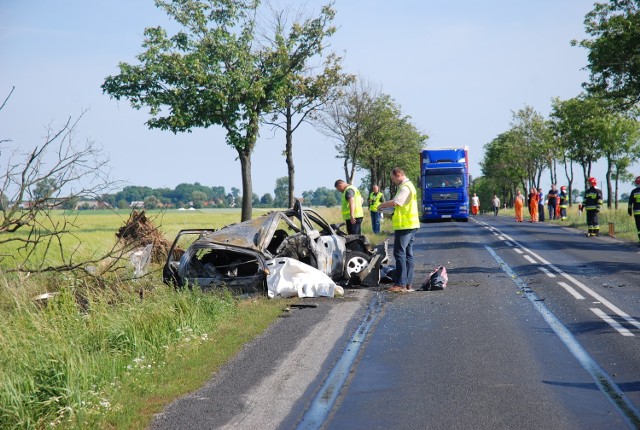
289 277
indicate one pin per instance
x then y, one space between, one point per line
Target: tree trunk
289 156
247 186
609 188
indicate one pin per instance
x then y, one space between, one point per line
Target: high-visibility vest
592 199
374 201
634 201
406 217
358 212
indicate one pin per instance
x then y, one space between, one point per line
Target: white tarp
289 277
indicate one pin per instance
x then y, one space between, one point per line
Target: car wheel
355 263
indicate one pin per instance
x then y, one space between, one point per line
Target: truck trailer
444 176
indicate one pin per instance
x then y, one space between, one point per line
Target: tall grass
59 363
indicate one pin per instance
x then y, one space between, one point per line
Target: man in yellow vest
352 212
406 222
375 198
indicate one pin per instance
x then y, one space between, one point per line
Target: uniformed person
634 204
592 203
375 198
406 222
352 212
564 198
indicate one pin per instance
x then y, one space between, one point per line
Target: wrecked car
237 255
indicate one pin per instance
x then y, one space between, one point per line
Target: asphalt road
537 328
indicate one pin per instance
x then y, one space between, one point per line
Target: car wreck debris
241 256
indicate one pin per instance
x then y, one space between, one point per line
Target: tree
342 120
306 91
36 181
216 70
577 122
281 199
613 58
267 200
151 202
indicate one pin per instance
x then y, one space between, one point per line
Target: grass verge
112 359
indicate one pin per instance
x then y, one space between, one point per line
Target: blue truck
444 180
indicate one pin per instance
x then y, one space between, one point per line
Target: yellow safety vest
374 201
406 217
357 213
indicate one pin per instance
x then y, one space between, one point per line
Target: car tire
355 263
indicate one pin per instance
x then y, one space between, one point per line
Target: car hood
252 234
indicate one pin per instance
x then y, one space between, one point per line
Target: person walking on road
518 204
475 204
495 205
592 203
352 212
634 205
375 198
406 222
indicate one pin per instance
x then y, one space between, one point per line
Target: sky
458 69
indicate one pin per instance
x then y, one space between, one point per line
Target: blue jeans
403 254
375 222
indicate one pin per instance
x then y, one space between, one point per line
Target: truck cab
444 181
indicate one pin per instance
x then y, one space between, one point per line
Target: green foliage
281 192
614 28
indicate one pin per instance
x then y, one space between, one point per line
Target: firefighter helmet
592 181
563 188
637 181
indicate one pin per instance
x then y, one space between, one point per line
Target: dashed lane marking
613 323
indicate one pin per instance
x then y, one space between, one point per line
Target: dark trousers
552 212
403 254
375 222
637 217
540 211
354 228
593 223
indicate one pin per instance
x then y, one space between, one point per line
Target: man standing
634 204
495 204
540 205
375 198
352 212
406 221
475 204
592 203
552 201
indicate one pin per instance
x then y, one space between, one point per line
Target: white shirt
403 194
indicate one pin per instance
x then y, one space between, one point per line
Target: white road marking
580 285
546 272
613 323
529 259
571 290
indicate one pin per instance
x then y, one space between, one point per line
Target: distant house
137 204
